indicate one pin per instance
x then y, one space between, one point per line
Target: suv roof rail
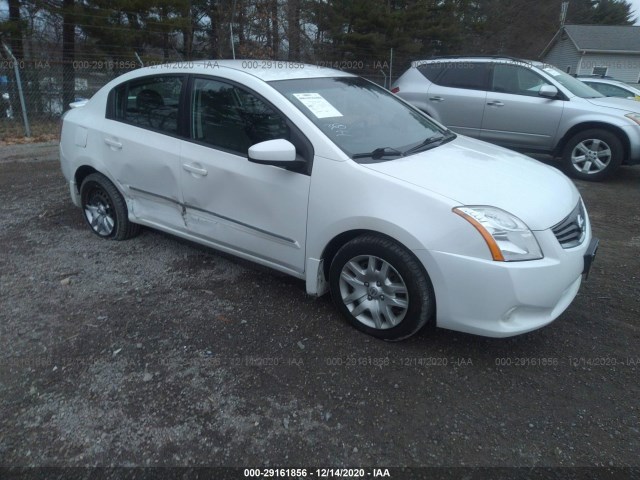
419 63
507 57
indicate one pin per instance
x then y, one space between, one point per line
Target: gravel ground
158 352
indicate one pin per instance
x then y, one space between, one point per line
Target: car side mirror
280 153
548 91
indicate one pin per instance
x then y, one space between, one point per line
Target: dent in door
147 167
255 209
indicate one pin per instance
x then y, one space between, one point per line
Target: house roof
600 38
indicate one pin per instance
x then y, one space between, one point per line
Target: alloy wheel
374 292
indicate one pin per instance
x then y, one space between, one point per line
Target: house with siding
596 50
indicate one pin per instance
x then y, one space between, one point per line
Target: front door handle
114 144
195 170
436 99
495 103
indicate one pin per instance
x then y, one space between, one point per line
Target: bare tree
15 29
293 29
275 26
187 29
68 52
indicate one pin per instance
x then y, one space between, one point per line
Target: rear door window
150 102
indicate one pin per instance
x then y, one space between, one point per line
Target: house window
569 69
600 71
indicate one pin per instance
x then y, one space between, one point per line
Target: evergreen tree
599 12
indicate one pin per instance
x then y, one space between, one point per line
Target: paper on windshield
317 105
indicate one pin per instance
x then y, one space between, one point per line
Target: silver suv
527 106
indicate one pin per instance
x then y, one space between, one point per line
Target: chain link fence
41 84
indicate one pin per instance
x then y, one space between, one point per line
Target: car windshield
572 84
364 120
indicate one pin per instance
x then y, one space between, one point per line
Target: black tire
105 210
588 145
418 303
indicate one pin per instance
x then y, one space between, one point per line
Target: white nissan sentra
327 177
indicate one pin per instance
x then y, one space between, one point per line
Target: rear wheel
381 288
592 155
105 210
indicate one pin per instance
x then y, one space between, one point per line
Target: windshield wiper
434 140
379 153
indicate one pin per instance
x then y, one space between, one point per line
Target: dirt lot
157 352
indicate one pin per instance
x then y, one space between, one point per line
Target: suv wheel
592 155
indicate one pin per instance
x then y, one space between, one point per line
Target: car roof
266 70
595 76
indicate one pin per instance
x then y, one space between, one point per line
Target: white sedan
330 178
612 88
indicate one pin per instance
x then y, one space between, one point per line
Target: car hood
471 172
626 104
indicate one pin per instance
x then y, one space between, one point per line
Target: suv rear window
468 75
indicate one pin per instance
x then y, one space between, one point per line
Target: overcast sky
635 9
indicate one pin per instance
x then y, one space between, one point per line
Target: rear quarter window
432 71
467 75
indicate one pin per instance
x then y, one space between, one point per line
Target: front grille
571 231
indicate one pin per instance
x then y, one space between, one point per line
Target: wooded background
68 48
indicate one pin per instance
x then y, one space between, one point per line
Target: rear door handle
114 144
436 99
495 103
195 170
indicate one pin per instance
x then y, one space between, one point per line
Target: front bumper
590 256
502 299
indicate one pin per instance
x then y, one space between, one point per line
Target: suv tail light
395 89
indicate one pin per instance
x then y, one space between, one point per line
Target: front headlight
634 116
508 238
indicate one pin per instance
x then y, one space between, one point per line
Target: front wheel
105 210
592 155
381 288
